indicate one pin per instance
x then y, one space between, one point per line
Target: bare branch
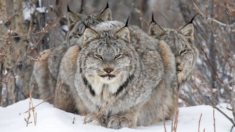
210 19
232 95
213 105
39 104
12 17
211 65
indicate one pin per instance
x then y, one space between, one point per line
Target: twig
30 103
232 95
185 101
232 100
74 118
97 115
46 30
82 6
208 18
229 109
211 66
232 128
12 17
35 119
199 123
177 109
213 105
176 120
163 85
40 103
1 101
214 119
34 114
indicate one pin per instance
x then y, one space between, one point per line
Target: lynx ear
106 14
188 31
72 18
124 34
155 29
89 35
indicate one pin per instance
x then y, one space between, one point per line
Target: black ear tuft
153 18
192 19
106 14
127 21
68 10
107 5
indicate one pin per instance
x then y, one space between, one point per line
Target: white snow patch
198 81
17 77
65 27
214 90
41 9
40 3
26 11
137 10
199 61
50 119
5 72
222 91
10 31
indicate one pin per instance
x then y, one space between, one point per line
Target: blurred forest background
30 26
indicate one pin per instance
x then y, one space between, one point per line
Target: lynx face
108 60
78 23
181 44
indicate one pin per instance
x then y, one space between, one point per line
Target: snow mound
50 119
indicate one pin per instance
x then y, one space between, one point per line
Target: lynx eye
118 56
98 57
183 51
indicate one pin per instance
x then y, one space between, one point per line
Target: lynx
113 60
46 70
181 44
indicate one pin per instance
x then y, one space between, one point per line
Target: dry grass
74 118
32 108
30 105
199 123
163 85
175 119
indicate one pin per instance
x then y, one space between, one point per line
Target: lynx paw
116 122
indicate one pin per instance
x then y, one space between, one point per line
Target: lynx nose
108 69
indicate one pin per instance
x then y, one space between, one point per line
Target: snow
50 119
65 27
26 11
199 61
41 9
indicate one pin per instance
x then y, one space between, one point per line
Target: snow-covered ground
50 119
